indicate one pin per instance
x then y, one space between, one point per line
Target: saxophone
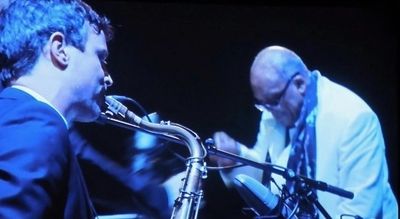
187 204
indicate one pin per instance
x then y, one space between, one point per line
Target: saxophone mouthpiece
115 107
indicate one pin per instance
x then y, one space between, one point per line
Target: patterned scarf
303 151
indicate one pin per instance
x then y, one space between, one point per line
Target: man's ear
301 84
58 54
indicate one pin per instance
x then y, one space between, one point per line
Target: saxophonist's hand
225 143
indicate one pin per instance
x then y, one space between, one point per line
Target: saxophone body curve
187 204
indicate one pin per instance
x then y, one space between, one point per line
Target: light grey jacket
350 154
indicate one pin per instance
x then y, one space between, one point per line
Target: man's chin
90 116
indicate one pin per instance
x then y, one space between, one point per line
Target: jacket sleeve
269 133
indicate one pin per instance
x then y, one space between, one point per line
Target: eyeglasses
269 106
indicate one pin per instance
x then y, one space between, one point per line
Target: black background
189 61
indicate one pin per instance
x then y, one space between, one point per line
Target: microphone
260 198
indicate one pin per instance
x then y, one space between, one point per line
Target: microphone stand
306 184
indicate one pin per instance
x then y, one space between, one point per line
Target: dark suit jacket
39 173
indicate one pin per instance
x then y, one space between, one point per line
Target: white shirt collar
40 98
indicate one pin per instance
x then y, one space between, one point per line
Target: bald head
278 60
278 79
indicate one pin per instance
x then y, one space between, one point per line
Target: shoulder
34 155
32 127
339 102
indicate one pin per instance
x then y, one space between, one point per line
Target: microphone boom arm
307 183
288 174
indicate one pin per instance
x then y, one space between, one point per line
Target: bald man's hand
225 143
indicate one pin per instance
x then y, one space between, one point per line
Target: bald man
320 130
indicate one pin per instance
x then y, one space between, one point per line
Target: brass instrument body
188 202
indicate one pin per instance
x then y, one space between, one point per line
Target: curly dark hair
25 27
